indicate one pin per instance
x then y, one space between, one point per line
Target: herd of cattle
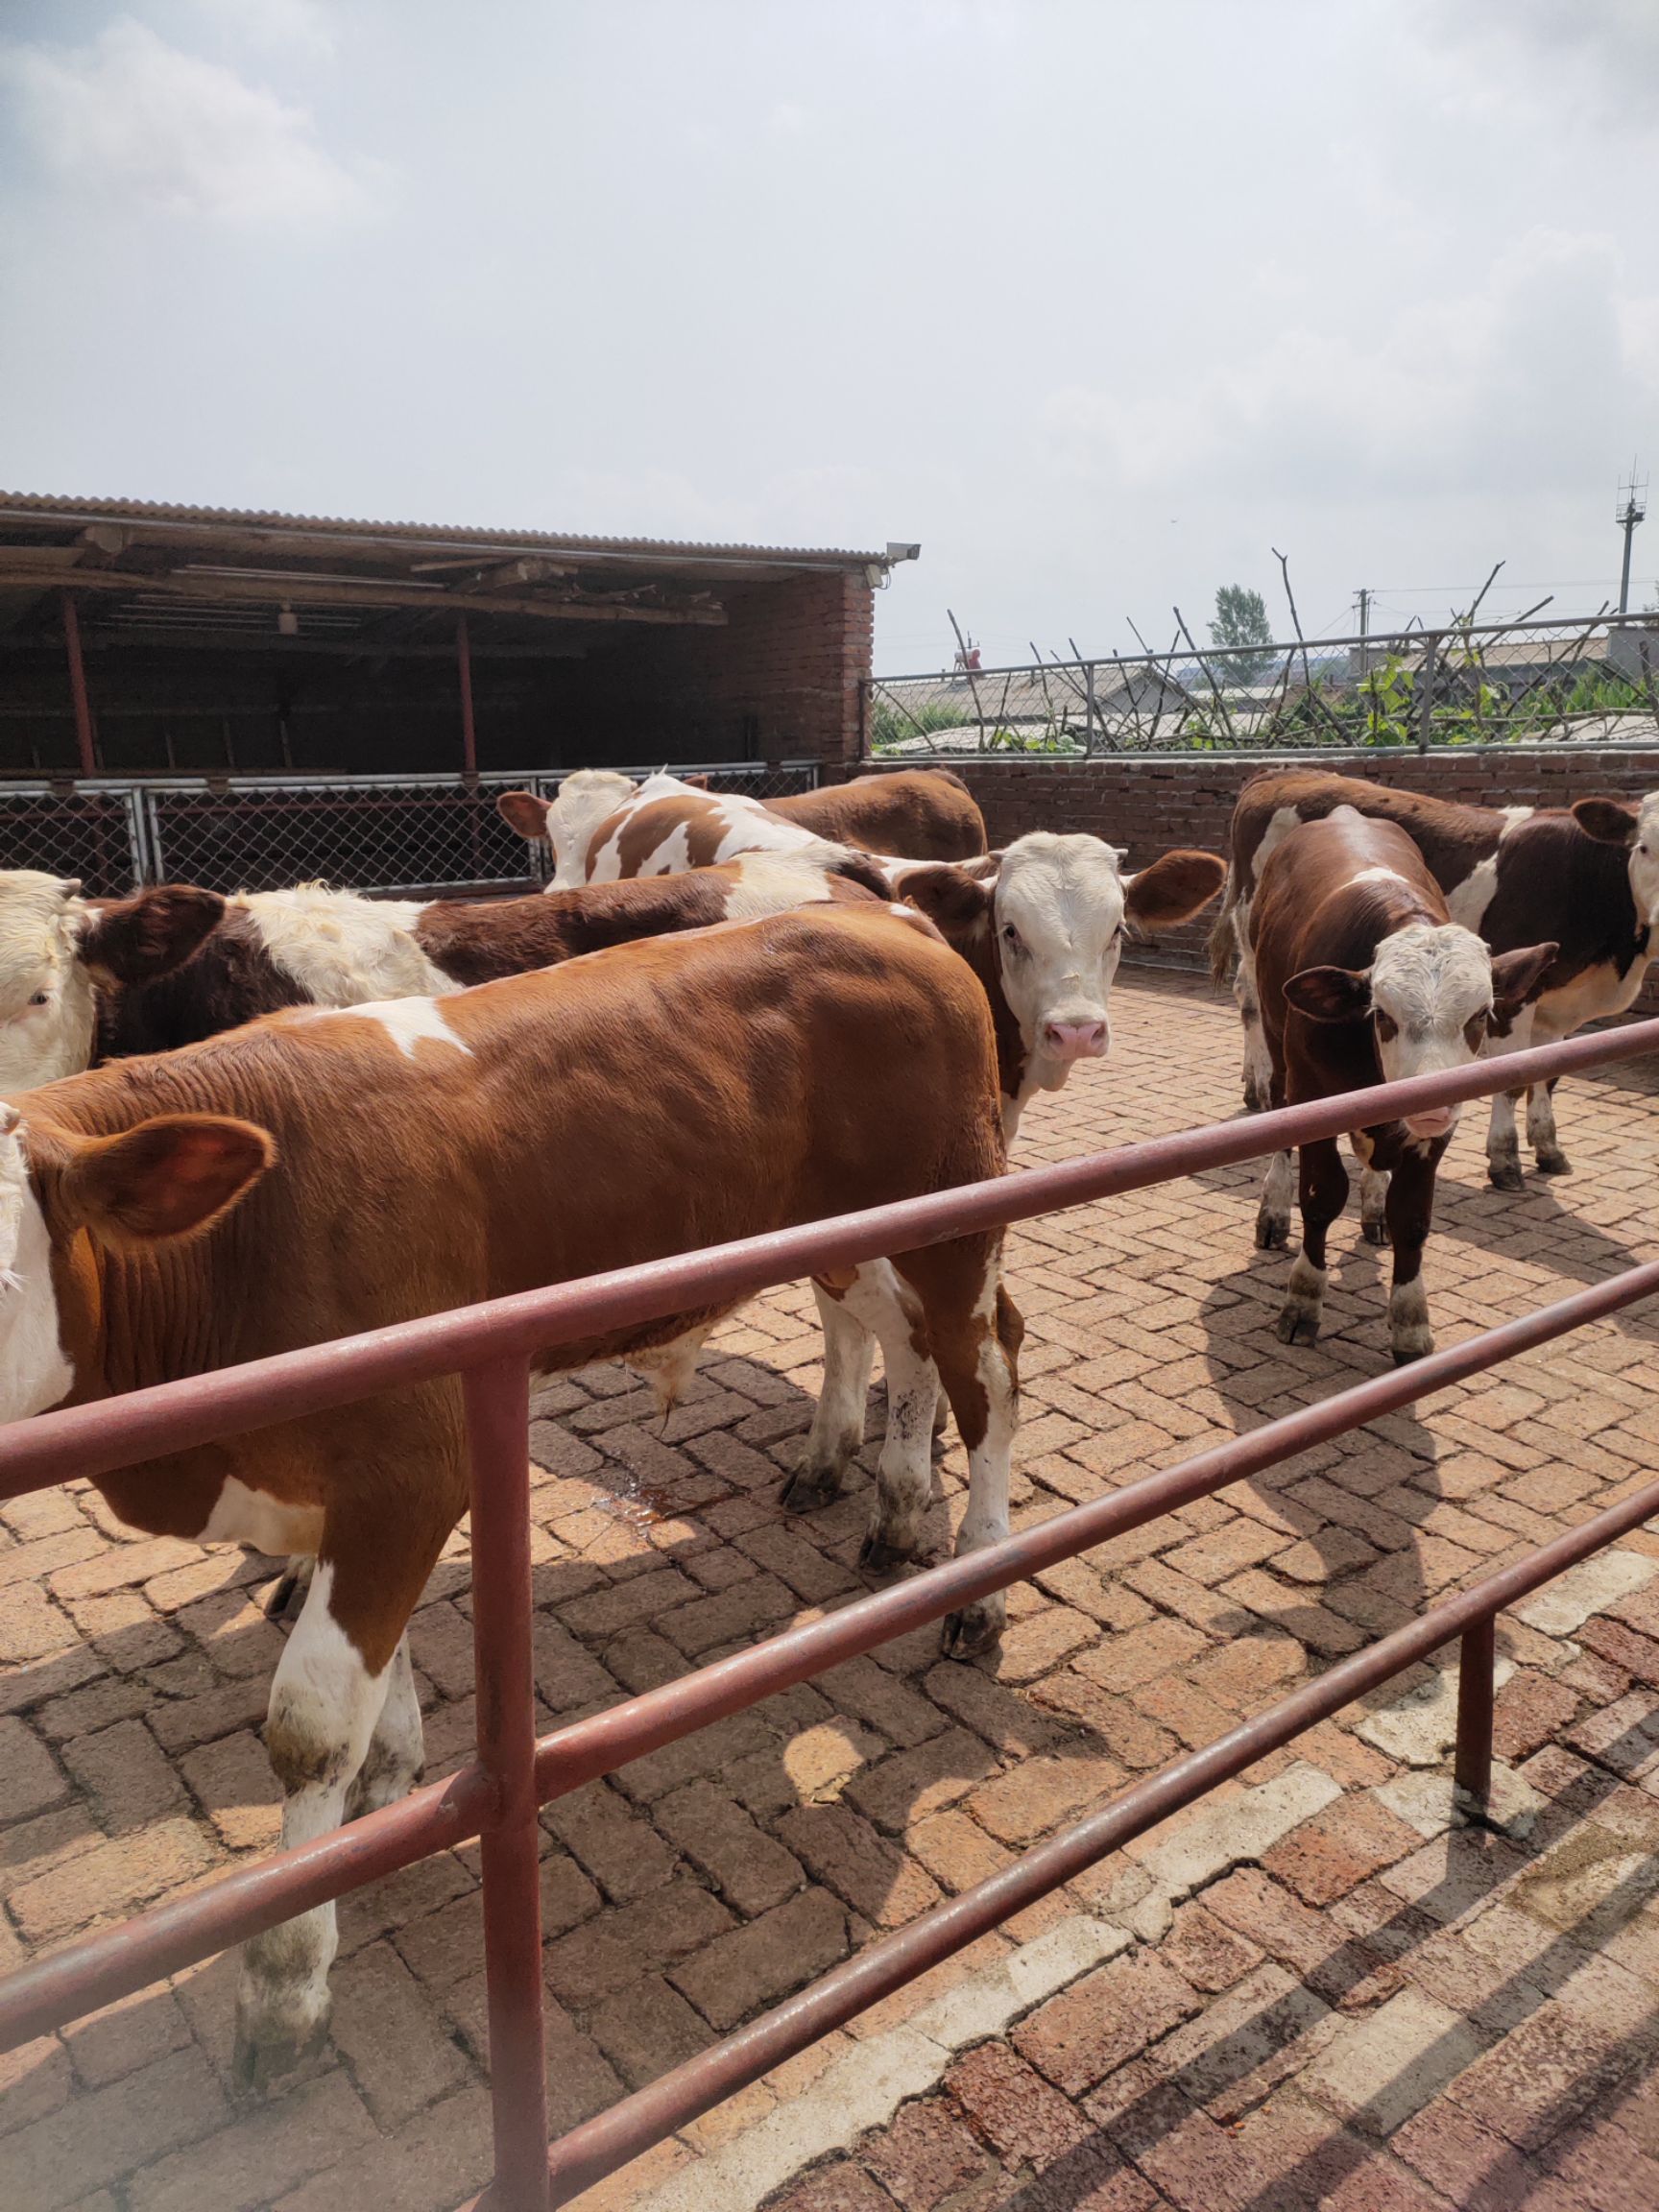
233 1126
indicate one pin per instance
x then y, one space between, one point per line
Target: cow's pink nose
1075 1040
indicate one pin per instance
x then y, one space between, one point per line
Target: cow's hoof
1374 1232
269 2054
1552 1164
1505 1175
975 1629
1298 1325
810 1489
876 1557
1272 1232
1412 1344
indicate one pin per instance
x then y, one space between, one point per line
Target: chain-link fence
1594 680
415 834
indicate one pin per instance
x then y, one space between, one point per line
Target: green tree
1242 622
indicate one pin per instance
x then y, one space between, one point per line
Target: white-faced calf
1041 926
1363 978
1587 877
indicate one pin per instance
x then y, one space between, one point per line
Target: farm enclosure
715 1875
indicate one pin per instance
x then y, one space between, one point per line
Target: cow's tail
1223 937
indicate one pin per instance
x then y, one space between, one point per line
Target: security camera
896 550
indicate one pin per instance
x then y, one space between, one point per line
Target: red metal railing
496 1796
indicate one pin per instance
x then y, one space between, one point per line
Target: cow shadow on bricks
1541 1228
1341 1543
696 1887
1485 2012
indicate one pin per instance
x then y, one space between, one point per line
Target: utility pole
1365 624
1633 495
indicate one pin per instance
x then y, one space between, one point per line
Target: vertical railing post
1426 702
497 1399
1471 1769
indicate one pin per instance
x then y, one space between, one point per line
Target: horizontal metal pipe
601 2145
111 1964
607 1741
90 1441
101 1968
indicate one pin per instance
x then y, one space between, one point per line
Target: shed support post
78 687
469 732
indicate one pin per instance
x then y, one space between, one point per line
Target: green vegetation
1240 623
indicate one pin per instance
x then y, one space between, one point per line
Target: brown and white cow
603 825
323 1172
1588 878
1364 977
175 965
1041 926
922 813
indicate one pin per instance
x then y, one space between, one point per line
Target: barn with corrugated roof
141 640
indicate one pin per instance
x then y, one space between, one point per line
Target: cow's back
1452 839
635 1102
914 813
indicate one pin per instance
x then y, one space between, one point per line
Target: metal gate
497 1796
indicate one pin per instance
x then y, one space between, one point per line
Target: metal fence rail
496 1796
1592 680
383 834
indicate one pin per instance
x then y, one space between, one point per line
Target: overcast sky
1099 299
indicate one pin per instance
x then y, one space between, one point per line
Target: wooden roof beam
226 590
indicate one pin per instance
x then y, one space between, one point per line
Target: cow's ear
953 900
695 783
524 811
1173 889
1518 977
133 940
165 1178
1331 994
1609 821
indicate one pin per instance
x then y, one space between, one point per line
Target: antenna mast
1632 508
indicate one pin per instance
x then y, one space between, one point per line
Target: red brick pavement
1364 2013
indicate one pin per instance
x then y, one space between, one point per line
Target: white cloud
1515 382
295 26
1590 61
130 117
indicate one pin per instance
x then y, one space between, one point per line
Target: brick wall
781 679
1149 803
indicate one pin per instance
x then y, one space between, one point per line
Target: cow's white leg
987 1414
1273 1214
836 1435
324 1704
1547 1153
904 1472
1503 1145
1258 1060
397 1746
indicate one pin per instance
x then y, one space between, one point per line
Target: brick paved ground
1316 1994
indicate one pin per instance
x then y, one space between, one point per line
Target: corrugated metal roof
425 533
